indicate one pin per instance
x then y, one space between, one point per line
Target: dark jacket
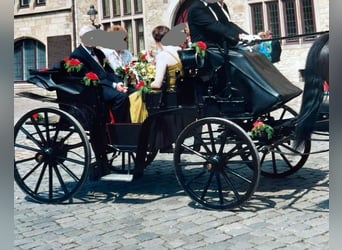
105 74
276 51
204 26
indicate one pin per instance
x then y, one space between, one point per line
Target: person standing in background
276 47
264 47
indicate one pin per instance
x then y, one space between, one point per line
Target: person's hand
121 88
249 38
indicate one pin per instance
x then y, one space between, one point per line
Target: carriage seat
47 79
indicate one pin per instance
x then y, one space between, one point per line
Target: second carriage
209 121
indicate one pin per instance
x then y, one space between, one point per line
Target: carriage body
205 117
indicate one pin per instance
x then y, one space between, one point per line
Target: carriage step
117 177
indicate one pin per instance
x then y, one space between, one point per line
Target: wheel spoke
211 136
27 147
67 170
29 135
40 178
39 132
234 189
219 186
283 156
205 189
31 171
50 182
60 179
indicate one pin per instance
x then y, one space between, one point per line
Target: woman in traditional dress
167 64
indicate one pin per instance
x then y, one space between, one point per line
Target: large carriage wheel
281 158
52 155
209 166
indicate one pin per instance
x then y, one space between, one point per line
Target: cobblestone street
155 213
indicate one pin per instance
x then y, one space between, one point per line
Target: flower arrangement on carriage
261 131
75 65
138 74
194 56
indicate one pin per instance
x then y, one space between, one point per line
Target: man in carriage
239 73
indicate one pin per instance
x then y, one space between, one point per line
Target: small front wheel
209 166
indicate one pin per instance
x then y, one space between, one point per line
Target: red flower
43 69
90 78
143 57
202 45
140 84
257 123
37 117
72 64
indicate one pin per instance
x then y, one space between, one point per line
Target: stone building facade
55 25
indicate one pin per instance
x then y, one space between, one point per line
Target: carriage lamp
92 12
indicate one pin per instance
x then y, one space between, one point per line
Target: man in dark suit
114 95
114 92
209 21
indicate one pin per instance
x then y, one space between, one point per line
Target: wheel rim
281 158
52 155
210 168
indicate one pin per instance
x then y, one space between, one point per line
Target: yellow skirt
137 108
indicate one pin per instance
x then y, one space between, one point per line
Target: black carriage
207 119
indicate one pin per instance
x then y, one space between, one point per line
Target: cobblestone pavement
155 213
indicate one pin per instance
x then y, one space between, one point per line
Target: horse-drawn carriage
209 121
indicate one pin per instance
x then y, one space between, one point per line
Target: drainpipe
74 34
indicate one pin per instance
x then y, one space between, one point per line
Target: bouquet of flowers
90 79
138 73
260 130
72 65
199 47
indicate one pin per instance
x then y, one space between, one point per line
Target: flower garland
200 47
261 129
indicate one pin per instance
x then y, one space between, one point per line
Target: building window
116 7
105 9
40 2
307 14
28 54
24 3
127 7
127 13
138 6
257 18
273 18
281 17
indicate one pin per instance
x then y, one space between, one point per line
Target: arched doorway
28 54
